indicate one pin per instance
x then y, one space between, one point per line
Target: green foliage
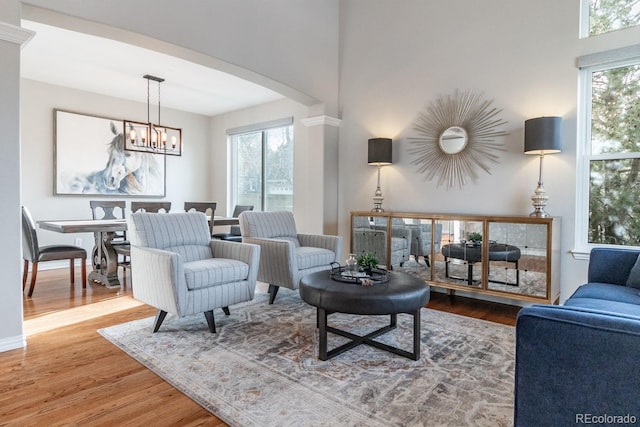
611 15
475 237
614 190
367 260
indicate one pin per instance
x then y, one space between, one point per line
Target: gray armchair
287 255
368 237
179 269
421 237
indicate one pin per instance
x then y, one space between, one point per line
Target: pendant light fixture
151 137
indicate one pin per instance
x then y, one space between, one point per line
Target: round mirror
453 140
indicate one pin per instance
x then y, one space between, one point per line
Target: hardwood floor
69 375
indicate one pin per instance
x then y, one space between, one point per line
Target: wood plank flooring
69 375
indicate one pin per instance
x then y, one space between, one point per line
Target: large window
611 153
603 16
262 165
608 187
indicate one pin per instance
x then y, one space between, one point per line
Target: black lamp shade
543 135
380 151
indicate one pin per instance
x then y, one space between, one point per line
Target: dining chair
208 208
32 252
155 207
234 234
114 209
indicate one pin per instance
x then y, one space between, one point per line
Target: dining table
104 258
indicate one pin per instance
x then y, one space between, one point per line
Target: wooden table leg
104 261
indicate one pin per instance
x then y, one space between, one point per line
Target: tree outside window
614 165
611 15
263 169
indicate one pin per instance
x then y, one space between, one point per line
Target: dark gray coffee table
403 293
473 253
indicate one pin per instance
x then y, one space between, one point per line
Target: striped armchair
285 254
177 268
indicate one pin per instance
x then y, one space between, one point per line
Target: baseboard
13 343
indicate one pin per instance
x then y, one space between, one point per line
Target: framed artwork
89 159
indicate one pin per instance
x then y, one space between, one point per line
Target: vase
351 264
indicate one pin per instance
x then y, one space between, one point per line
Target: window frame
585 22
587 65
263 127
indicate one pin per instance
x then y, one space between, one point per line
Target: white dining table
104 259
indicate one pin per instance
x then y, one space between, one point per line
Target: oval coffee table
403 293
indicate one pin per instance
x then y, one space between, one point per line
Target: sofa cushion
309 257
191 253
218 271
633 280
608 292
605 306
161 231
268 224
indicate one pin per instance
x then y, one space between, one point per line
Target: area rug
261 368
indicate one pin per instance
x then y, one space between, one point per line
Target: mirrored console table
516 257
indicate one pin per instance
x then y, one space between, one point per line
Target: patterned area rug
261 368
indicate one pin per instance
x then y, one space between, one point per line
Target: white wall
11 39
397 57
291 43
187 177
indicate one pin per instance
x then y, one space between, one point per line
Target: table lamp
379 155
542 135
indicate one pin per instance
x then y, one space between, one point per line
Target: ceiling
95 64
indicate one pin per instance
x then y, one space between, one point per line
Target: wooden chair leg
34 275
72 270
226 311
25 273
84 273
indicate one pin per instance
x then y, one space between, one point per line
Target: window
610 150
603 16
262 165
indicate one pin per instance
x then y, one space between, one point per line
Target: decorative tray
341 274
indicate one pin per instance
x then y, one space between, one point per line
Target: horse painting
126 172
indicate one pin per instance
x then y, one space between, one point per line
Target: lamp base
377 201
539 200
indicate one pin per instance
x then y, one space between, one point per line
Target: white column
323 168
12 37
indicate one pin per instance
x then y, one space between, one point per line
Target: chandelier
150 137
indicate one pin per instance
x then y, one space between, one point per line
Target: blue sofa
580 362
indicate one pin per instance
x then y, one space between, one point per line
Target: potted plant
367 261
476 238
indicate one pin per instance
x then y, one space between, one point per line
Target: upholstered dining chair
371 236
151 206
234 234
287 255
421 237
32 252
208 208
178 269
114 209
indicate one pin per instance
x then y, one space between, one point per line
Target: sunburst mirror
456 138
